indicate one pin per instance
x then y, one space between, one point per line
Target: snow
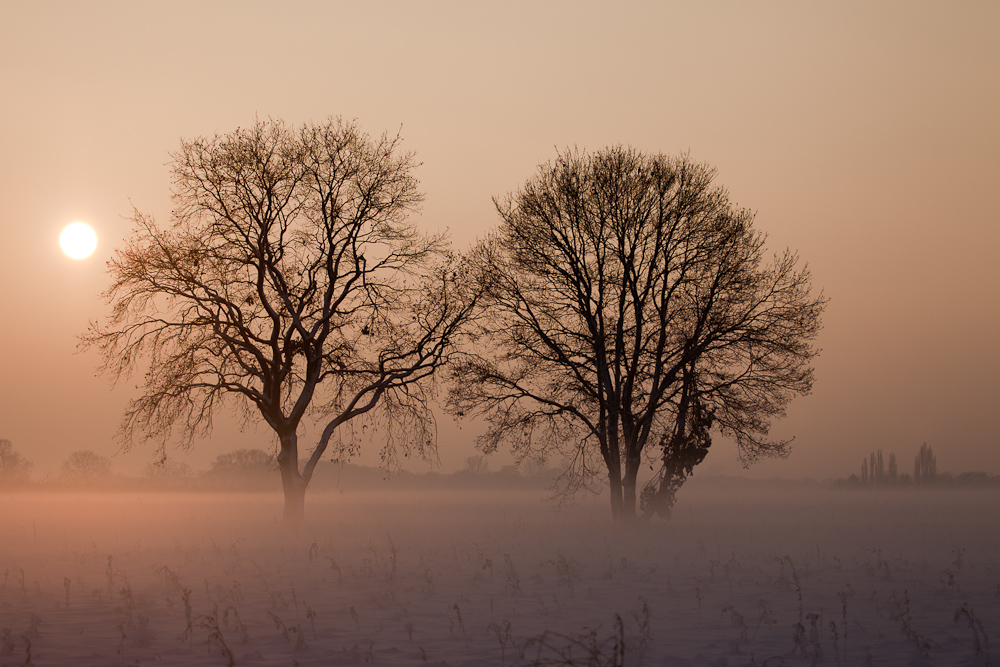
744 574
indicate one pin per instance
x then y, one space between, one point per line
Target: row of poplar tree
876 472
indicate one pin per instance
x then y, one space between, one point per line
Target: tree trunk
613 460
295 499
615 479
292 482
632 464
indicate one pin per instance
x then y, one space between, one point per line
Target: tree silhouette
13 466
631 312
243 467
477 464
290 286
924 465
85 466
242 461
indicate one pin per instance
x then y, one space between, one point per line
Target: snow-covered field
742 575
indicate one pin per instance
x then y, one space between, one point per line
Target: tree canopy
632 312
289 285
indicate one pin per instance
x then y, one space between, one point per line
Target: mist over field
745 573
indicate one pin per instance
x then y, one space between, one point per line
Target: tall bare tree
289 285
632 313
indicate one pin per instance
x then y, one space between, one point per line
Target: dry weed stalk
797 585
980 640
334 566
697 595
504 636
737 620
287 631
565 571
311 617
836 640
7 644
848 592
903 617
642 620
553 649
513 586
244 636
211 623
393 557
354 616
763 618
461 623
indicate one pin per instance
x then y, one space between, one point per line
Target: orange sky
866 137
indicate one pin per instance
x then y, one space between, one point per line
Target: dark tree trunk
632 464
612 459
292 482
617 499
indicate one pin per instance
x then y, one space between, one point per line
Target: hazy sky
865 135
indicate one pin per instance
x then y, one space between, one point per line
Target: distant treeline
877 471
256 470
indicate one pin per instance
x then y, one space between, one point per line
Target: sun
78 240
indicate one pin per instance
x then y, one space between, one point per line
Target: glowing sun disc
78 240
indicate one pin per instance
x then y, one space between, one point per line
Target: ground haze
744 572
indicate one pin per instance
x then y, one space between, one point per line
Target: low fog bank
743 572
736 511
350 477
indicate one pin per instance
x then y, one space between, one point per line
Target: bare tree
13 466
477 464
632 311
289 285
85 466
